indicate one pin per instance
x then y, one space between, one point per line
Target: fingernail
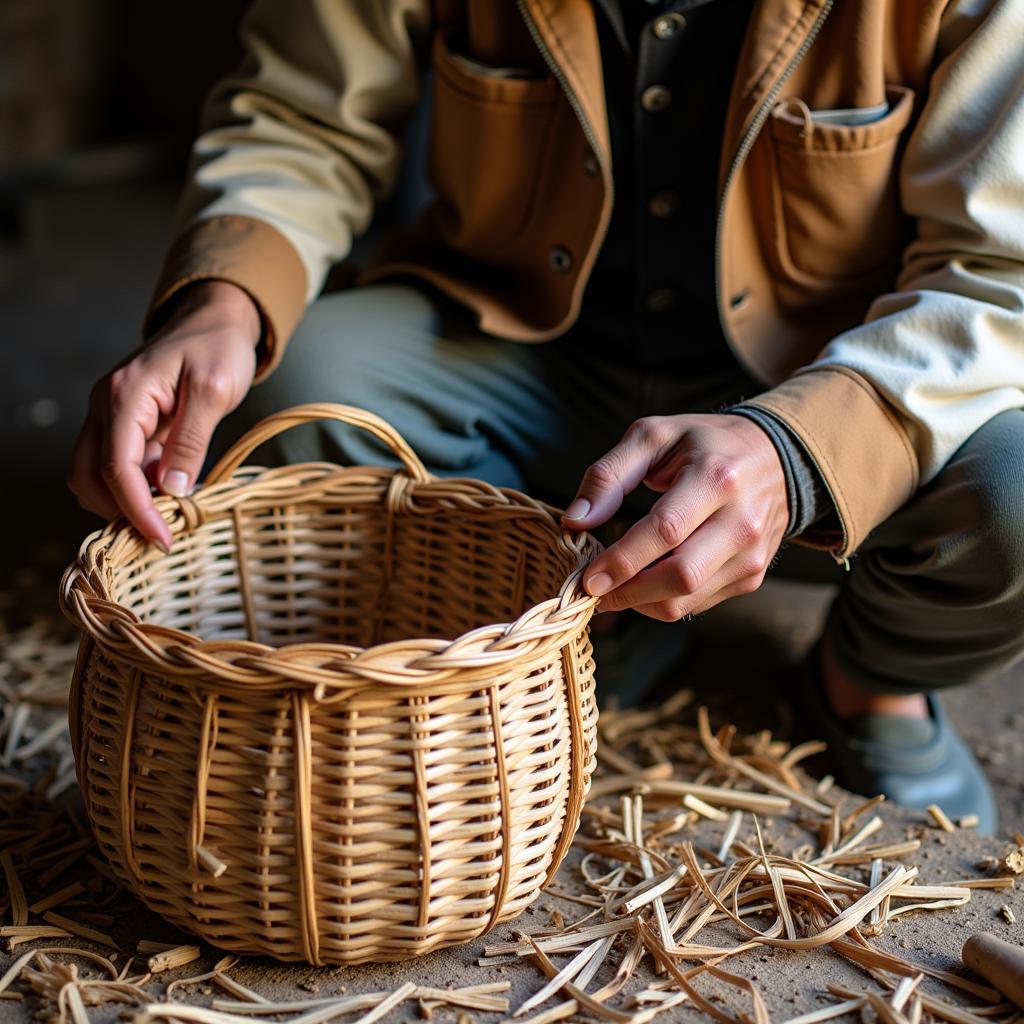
175 483
599 584
579 509
158 532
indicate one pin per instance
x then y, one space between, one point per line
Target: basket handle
279 422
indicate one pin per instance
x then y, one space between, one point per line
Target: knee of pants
340 349
988 476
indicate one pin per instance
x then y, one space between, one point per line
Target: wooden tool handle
999 962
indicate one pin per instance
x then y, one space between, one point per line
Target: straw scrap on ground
653 893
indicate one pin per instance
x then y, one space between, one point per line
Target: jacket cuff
859 446
250 254
808 498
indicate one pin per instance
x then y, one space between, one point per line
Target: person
743 272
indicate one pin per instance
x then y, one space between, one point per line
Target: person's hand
150 420
710 536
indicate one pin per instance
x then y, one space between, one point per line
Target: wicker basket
350 717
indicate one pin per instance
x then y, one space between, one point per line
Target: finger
675 516
737 577
668 611
84 479
201 405
684 573
608 480
151 461
123 455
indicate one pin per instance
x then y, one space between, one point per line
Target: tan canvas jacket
870 256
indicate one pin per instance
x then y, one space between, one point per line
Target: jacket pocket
487 144
836 201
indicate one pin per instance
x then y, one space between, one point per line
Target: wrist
215 305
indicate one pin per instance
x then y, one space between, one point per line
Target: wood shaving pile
653 893
652 905
36 661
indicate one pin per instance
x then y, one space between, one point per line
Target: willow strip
81 930
565 975
69 892
171 959
939 816
224 964
585 1001
718 753
16 894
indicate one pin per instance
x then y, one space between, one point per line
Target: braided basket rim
321 666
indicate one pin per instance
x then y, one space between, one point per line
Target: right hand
150 419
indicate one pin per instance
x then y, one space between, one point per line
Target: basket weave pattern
349 717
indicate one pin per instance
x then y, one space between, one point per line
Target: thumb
196 417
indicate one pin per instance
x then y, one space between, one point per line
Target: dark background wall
83 73
99 100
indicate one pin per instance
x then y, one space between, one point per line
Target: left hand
713 532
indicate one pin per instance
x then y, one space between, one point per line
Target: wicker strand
193 515
299 414
85 649
268 812
207 744
577 788
422 799
127 796
519 589
252 626
396 490
505 802
303 755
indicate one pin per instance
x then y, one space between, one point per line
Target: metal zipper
748 140
753 130
574 102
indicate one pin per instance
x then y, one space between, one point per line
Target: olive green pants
935 595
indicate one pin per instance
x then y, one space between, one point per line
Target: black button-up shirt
668 70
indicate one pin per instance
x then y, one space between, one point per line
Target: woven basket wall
350 717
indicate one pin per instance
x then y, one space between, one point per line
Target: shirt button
591 168
655 98
660 300
668 25
560 259
663 204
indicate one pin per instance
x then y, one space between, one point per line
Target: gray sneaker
915 762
